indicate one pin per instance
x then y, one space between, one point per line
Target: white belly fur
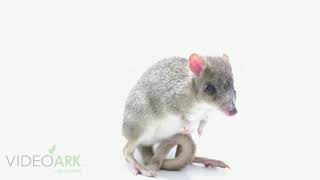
169 125
160 129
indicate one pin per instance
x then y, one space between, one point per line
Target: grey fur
164 88
169 87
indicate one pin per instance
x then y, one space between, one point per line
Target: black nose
233 112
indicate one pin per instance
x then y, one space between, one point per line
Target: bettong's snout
230 109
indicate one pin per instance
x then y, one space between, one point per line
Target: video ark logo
60 162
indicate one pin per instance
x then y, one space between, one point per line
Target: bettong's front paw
186 130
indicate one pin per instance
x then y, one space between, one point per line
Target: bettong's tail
184 154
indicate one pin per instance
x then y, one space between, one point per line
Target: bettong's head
213 81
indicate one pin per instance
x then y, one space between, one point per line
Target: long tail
184 155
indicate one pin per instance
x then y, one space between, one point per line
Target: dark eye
211 89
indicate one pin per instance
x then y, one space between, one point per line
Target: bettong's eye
211 89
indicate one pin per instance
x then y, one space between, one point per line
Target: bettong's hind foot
210 162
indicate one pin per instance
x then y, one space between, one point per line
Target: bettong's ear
196 64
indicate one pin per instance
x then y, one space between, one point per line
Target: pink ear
196 64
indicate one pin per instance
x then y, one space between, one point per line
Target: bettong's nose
233 112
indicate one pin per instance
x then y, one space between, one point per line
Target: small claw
228 167
224 165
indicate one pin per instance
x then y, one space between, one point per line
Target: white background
66 67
